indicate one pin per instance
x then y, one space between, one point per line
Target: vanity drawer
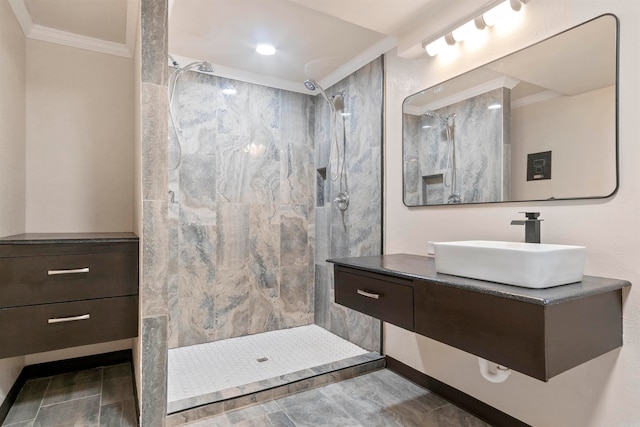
27 330
383 297
58 278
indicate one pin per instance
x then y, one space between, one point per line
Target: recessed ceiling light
229 91
265 49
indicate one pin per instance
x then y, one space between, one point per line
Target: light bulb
464 31
500 12
436 46
265 49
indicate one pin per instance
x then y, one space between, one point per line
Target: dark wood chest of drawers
66 290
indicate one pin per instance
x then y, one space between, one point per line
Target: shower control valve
341 202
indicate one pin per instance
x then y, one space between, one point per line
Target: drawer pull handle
73 271
368 294
68 319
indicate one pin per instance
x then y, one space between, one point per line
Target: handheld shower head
206 67
312 85
198 66
445 120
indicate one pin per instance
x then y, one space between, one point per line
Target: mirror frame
616 125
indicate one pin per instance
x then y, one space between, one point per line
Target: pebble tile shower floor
221 365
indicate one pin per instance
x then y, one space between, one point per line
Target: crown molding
534 99
52 35
22 15
500 82
372 52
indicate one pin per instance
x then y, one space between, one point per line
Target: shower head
445 120
312 85
198 66
206 67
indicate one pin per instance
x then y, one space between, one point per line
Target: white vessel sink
530 265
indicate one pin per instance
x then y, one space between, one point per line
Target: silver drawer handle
68 319
73 271
368 294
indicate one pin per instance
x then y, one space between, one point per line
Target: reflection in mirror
539 124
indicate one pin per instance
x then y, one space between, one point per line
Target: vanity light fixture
499 11
265 49
494 107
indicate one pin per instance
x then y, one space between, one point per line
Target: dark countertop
423 268
48 238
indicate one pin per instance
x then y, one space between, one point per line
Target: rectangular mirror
538 124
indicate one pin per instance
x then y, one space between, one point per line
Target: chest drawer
27 330
385 299
33 280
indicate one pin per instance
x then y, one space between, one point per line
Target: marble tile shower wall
152 341
358 230
483 152
241 215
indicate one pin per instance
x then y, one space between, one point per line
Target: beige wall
79 140
604 391
12 123
575 129
12 150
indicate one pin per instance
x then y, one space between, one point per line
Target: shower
204 67
449 124
336 104
250 303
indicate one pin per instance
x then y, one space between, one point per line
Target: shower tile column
358 230
154 239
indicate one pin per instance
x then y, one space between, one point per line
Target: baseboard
470 404
11 397
61 367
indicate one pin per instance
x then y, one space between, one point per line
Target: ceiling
106 26
325 40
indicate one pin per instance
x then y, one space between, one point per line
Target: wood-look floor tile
118 414
28 401
81 412
73 385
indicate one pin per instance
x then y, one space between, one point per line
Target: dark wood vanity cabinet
65 290
383 297
538 332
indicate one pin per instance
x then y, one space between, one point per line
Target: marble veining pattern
482 150
241 219
357 231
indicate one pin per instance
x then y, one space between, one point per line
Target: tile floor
104 397
380 398
92 397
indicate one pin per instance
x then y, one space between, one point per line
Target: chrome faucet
531 226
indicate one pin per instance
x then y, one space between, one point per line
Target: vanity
538 332
60 290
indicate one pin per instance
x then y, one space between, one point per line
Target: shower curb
217 408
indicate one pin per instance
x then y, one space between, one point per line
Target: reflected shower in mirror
538 124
